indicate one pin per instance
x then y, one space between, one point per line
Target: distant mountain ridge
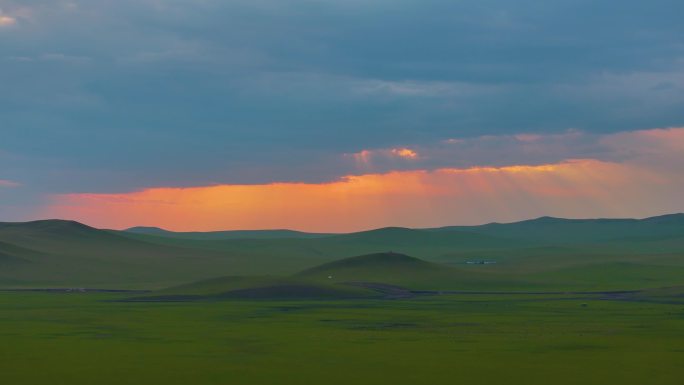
516 229
228 234
579 230
48 225
51 253
675 218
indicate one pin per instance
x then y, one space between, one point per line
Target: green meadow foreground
90 338
547 301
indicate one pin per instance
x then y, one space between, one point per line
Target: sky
339 115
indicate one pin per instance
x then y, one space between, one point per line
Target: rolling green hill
373 263
546 251
366 276
379 275
411 273
11 254
392 268
64 253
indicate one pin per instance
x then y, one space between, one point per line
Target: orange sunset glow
577 188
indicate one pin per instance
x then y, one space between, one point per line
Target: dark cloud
117 95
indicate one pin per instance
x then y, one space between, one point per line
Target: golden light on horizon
422 198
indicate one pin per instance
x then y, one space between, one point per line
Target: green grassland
93 338
257 288
566 302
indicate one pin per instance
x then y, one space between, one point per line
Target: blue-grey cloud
111 95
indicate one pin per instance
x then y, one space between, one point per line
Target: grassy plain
316 309
89 338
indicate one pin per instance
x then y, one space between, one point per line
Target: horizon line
349 232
